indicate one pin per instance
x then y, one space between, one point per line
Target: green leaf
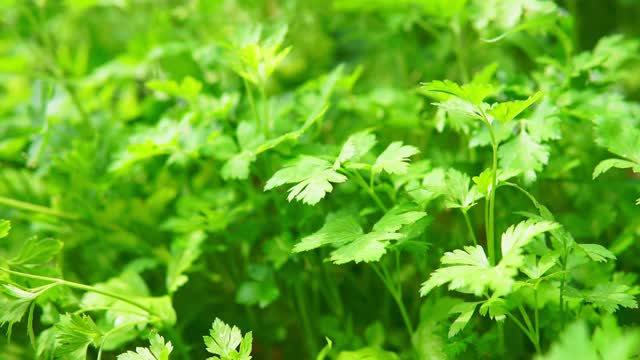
611 296
368 353
313 177
325 350
608 342
157 350
484 181
470 273
5 227
184 252
466 311
237 167
356 146
606 165
261 293
507 111
189 88
596 252
454 186
36 251
14 303
395 158
574 344
74 334
366 248
517 236
524 155
339 228
474 93
342 230
224 340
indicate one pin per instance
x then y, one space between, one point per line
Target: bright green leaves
189 88
158 350
254 57
455 186
469 270
37 251
356 146
466 311
394 159
338 228
474 93
313 178
184 251
74 334
609 341
344 231
524 155
5 227
223 341
15 301
517 236
137 307
606 165
507 111
367 353
611 296
596 252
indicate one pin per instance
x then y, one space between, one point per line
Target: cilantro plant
342 180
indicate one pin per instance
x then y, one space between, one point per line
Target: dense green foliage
347 179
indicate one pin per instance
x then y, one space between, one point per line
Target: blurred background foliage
124 135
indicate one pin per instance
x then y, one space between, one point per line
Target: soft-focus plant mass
317 179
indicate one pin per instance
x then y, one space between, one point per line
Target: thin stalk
22 205
525 330
526 318
306 322
473 234
115 330
265 111
396 297
369 190
79 286
535 314
252 103
490 214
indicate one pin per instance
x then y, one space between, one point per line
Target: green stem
369 190
535 314
490 218
265 111
115 330
397 297
473 234
306 322
252 103
80 287
525 330
17 204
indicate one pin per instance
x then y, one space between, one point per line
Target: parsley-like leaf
313 177
353 244
74 335
395 158
224 340
507 111
157 350
356 146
